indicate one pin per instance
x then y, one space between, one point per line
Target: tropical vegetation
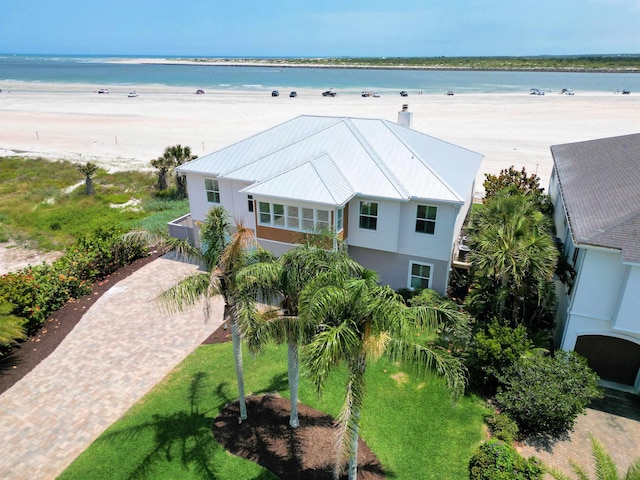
412 426
605 468
356 322
497 460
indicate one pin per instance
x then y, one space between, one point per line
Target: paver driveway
122 347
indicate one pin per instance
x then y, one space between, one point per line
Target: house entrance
612 358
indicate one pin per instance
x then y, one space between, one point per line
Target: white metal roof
331 159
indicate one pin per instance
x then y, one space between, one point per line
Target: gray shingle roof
600 185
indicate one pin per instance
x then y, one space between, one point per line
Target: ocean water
109 71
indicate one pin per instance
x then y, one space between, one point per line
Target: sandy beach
73 121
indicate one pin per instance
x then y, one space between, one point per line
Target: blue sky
320 28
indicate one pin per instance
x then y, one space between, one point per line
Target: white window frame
282 215
215 190
368 215
411 275
339 226
426 220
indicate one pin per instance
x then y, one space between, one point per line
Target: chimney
405 117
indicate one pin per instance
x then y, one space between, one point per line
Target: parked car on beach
132 94
329 93
275 93
293 94
626 92
404 93
103 90
199 92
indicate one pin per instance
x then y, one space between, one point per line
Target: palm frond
605 467
185 293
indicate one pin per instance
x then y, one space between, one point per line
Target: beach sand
73 121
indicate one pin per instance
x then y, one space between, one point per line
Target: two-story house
395 196
595 188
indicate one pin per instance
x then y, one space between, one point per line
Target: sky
320 28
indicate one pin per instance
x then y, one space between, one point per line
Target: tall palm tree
178 155
356 321
512 248
224 253
605 469
88 170
279 281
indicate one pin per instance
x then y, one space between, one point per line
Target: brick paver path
123 346
620 436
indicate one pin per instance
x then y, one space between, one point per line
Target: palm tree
605 469
513 251
164 166
281 281
177 155
356 321
88 170
224 253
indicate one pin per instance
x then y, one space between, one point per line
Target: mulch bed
305 453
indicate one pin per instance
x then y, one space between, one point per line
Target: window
278 215
293 217
307 219
369 215
426 219
212 189
265 213
322 220
339 219
419 275
250 202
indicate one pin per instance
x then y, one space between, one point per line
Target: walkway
614 422
122 347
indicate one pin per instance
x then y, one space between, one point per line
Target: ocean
106 71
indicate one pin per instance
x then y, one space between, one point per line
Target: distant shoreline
322 63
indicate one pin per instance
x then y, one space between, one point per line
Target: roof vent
405 117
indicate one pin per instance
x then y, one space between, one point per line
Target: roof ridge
386 171
337 168
426 164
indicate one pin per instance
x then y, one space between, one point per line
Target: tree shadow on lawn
265 438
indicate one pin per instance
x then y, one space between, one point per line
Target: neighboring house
595 188
397 197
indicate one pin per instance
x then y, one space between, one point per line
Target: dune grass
42 202
411 425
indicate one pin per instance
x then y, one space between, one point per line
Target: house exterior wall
438 245
393 268
385 237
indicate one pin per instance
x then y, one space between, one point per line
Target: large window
212 189
339 219
426 219
419 275
369 215
292 217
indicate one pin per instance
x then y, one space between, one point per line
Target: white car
103 90
132 94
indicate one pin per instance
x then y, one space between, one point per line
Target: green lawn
411 425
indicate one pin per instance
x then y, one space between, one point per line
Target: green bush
495 350
495 460
502 427
37 291
545 394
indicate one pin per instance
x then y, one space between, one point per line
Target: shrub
495 460
494 350
38 291
545 394
11 327
502 427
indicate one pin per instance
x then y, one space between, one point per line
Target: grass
411 425
40 207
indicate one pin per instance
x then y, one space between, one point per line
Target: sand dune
77 123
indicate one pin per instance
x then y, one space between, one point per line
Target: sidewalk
123 346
